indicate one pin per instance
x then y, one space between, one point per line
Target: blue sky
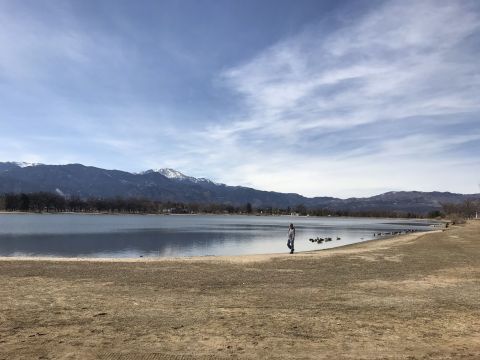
322 98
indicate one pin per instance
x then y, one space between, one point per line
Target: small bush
457 219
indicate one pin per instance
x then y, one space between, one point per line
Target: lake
132 236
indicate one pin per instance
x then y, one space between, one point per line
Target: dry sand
411 297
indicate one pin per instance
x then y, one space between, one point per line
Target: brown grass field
410 297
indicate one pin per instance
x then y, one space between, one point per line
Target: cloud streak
307 98
398 62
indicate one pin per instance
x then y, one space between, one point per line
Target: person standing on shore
291 238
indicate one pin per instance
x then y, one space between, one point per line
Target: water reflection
126 244
151 236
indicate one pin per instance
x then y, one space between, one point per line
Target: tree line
55 203
469 209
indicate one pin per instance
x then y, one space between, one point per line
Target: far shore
3 212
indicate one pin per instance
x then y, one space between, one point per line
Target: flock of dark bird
395 232
320 240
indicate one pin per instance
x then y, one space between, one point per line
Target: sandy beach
415 296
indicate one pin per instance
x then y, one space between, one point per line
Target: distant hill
171 185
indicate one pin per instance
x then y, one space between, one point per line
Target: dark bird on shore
339 238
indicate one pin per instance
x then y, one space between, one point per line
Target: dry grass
403 298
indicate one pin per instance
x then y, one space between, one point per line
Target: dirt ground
404 298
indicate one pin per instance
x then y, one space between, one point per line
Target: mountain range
171 185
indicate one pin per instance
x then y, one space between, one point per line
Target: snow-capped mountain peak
172 174
177 175
24 164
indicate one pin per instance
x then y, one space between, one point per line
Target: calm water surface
129 236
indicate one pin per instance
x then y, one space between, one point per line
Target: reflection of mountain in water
120 244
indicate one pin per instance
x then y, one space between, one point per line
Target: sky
320 98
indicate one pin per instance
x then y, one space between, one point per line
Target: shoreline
4 212
367 244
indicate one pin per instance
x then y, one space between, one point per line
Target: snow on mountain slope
177 175
173 174
23 164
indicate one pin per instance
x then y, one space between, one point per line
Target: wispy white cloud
32 45
399 61
312 92
67 93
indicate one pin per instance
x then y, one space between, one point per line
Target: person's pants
290 244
